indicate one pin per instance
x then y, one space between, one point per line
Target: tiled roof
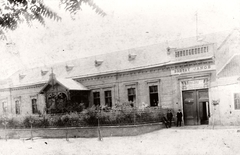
71 84
147 56
67 83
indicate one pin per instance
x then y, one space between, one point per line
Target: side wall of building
5 102
24 96
225 113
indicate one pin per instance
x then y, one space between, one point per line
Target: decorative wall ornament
215 102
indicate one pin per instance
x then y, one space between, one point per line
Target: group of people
168 121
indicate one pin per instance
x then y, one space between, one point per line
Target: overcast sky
128 24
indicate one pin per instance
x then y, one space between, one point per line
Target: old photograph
119 77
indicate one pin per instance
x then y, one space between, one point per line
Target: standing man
179 117
169 117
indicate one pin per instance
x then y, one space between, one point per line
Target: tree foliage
14 12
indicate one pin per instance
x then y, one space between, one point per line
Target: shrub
120 115
15 123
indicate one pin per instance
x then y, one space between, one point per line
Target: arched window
61 101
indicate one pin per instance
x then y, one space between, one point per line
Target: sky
128 24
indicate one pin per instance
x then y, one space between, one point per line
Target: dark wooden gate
195 107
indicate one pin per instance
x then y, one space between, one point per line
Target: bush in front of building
35 121
14 123
93 116
149 115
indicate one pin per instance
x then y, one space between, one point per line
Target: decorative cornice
142 71
127 73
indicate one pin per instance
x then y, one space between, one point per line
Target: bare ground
174 141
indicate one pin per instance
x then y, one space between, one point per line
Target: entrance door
203 102
195 107
189 107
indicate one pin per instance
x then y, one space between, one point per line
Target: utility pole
196 25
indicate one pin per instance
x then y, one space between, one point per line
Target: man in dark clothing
169 117
165 121
179 117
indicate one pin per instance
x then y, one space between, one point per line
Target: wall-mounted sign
195 84
193 68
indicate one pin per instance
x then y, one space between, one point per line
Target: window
183 52
17 105
180 53
108 98
34 106
131 94
177 54
96 98
237 101
205 49
192 51
4 106
153 93
186 52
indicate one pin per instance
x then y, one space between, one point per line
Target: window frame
132 85
238 99
97 98
154 82
17 106
4 106
108 99
34 110
131 95
153 93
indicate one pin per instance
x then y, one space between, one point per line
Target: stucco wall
25 95
225 113
139 79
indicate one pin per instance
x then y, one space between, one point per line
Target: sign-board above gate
195 84
192 68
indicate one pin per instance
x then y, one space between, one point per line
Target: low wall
77 132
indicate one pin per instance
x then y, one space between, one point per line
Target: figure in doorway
179 117
169 117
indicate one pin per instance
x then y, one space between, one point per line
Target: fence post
5 122
134 115
31 123
98 128
67 134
